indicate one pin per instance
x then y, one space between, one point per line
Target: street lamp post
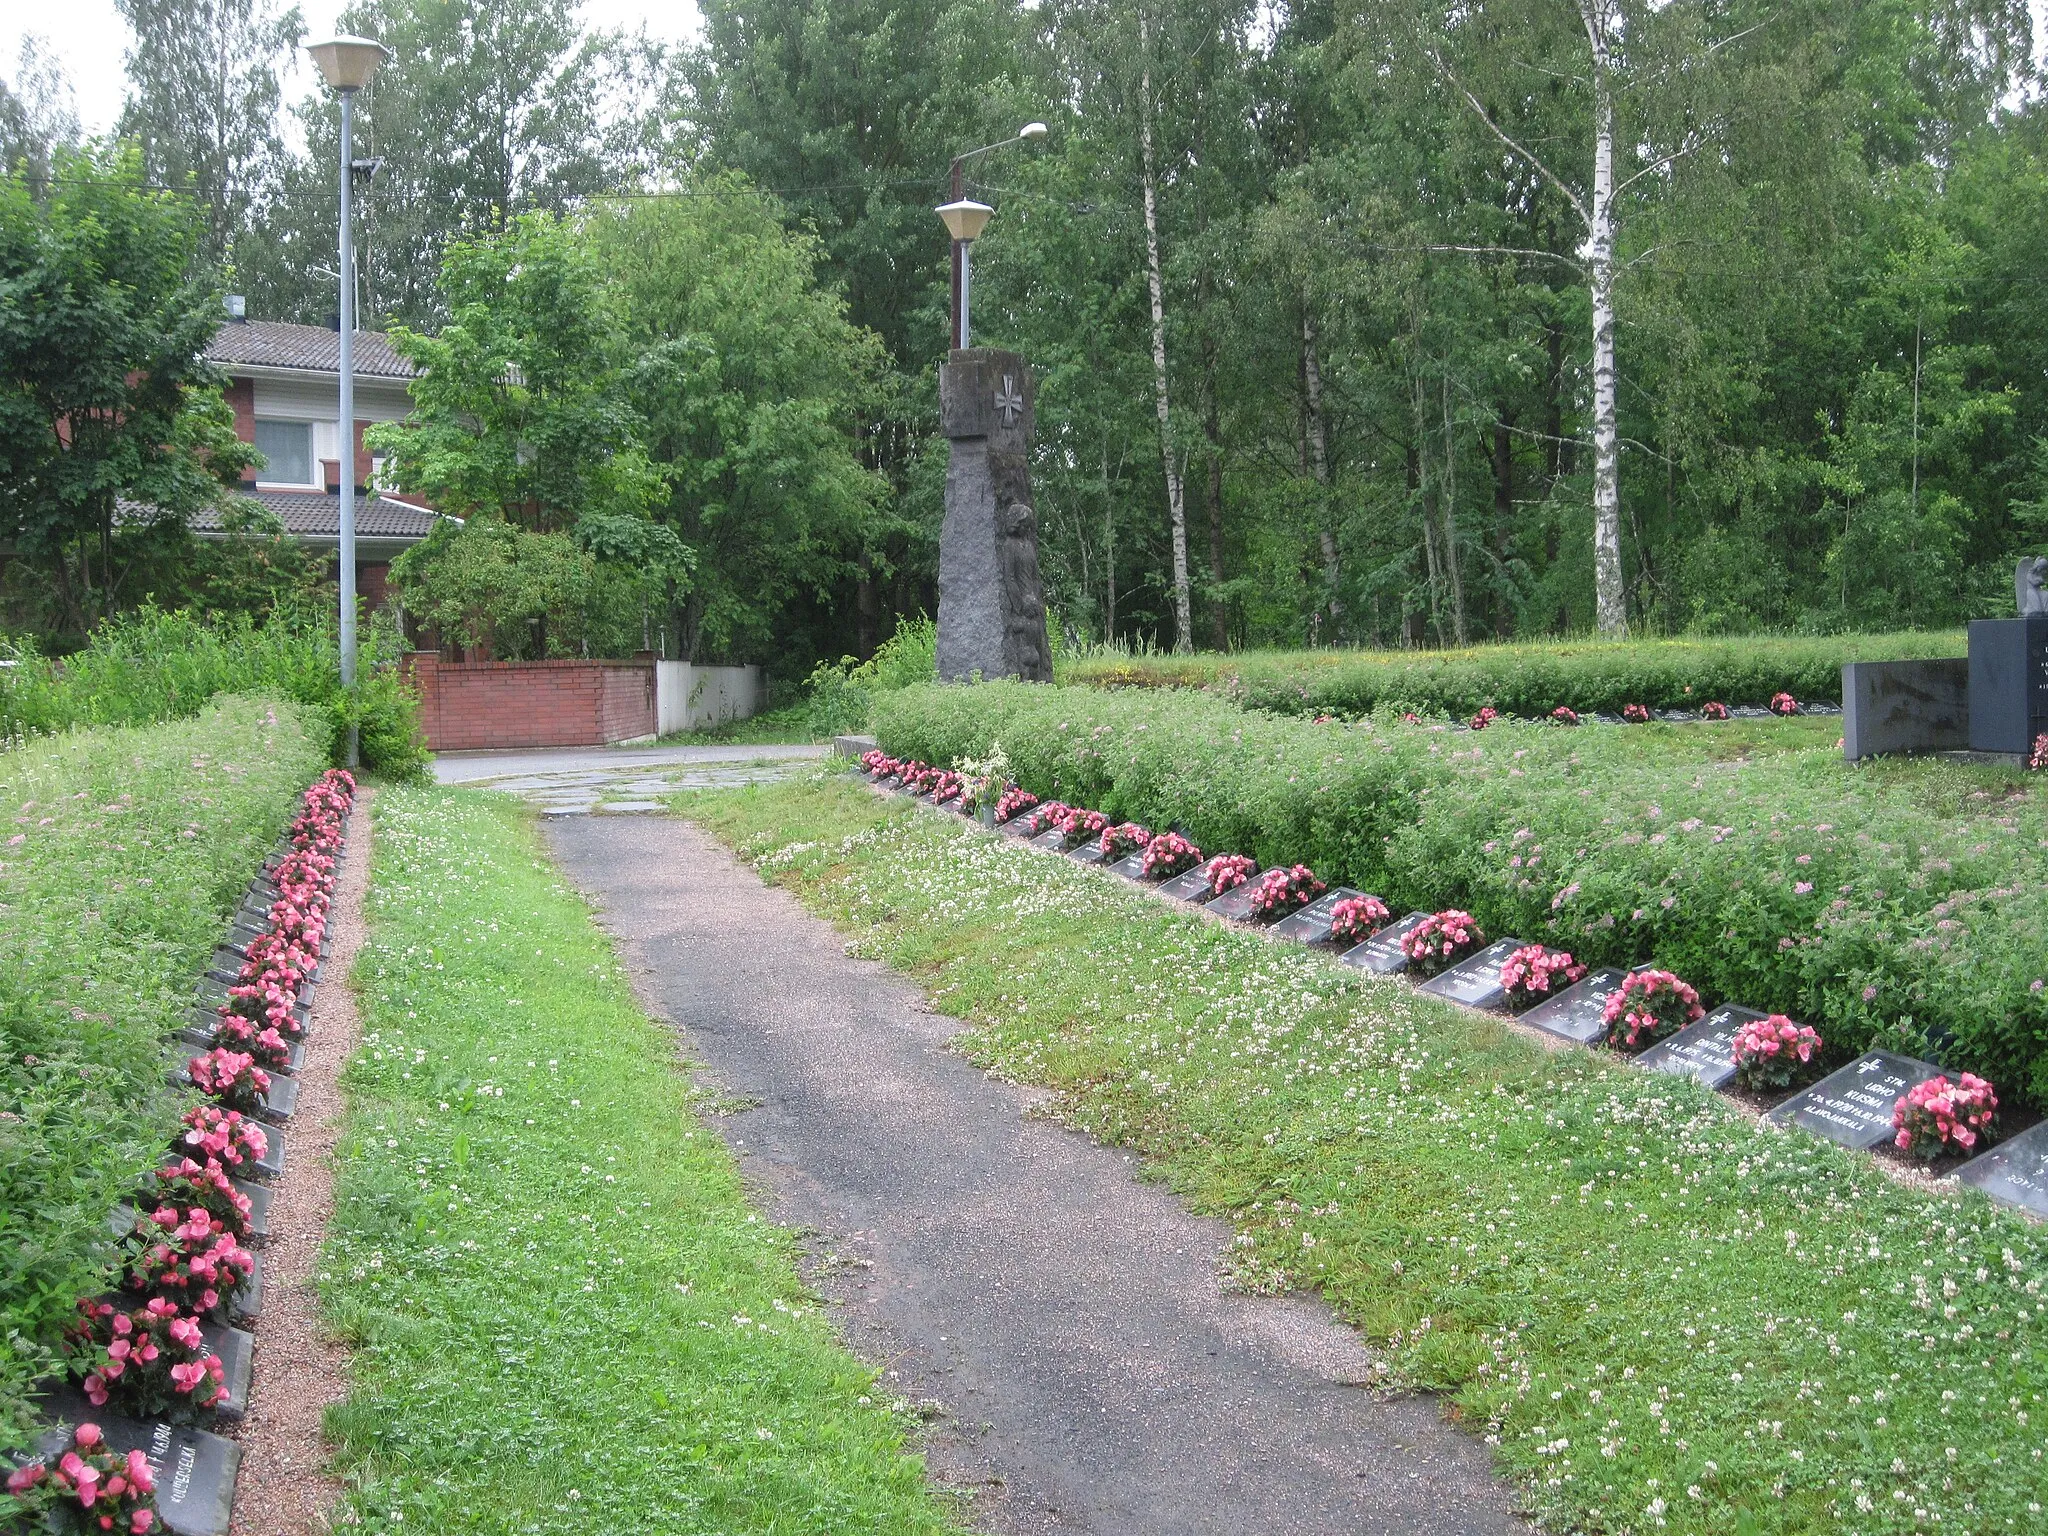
965 219
347 63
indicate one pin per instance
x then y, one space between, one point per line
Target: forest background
1403 324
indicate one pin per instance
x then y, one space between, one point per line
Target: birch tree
1176 503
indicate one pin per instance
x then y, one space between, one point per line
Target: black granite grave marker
194 1470
1018 825
1192 886
245 1302
259 1196
1311 925
1382 953
1475 981
2014 1172
1052 840
1577 1013
1087 853
237 1352
1236 903
1705 1051
1853 1107
1131 866
281 1102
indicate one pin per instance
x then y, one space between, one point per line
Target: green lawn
789 726
564 1315
122 851
1663 1315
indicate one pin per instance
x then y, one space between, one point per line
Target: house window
288 445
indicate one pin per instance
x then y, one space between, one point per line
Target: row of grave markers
1851 1106
195 1469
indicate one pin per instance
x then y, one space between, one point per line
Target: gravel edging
284 1488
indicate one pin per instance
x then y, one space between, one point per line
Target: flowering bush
153 1359
1713 709
1533 973
185 1184
1784 704
1126 838
1773 1053
1281 891
1939 1116
1486 716
1357 918
1014 802
1081 825
1170 854
1440 941
224 1136
88 1487
1227 871
2038 758
1564 714
1635 714
1647 1006
230 1077
189 1260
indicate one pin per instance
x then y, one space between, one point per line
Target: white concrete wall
691 698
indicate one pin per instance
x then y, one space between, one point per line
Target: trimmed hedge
1898 905
1525 680
122 852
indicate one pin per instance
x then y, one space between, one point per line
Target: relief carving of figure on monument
1026 647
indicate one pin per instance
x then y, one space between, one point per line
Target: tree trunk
1449 502
1108 552
1176 507
1212 429
1609 599
1319 465
868 607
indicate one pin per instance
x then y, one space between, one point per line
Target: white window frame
314 481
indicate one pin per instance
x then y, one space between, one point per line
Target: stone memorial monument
991 606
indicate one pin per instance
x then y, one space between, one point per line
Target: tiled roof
313 515
273 344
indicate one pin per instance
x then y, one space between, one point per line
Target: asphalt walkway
573 781
1093 1375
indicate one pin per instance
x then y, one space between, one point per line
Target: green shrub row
121 853
153 665
1895 904
1526 680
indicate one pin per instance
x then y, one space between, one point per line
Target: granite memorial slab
280 1101
1475 980
1192 886
1236 903
194 1469
1131 866
245 1301
1311 925
1052 841
1018 825
237 1352
1382 954
1087 853
1853 1107
259 1197
2013 1172
1578 1012
1703 1051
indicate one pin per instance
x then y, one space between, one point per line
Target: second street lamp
965 219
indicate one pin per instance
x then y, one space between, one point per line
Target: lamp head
347 63
965 219
1031 131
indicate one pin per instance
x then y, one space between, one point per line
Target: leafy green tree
105 396
37 116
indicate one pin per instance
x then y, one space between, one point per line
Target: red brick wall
465 706
240 395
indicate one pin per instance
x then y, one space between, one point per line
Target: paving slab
1094 1374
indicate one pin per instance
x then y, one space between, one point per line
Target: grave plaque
1382 953
1052 841
245 1301
1853 1107
259 1210
1704 1052
236 1350
1131 866
1018 825
1087 853
1475 981
1236 903
1311 925
2014 1172
194 1470
1577 1012
281 1101
1192 886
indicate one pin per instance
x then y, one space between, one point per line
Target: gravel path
283 1489
1093 1374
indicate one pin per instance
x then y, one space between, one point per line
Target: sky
90 39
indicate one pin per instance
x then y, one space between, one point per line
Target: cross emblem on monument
1008 402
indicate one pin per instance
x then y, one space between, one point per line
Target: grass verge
1665 1316
564 1315
121 853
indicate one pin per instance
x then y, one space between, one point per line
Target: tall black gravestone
991 605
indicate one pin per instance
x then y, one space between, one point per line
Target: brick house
284 385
